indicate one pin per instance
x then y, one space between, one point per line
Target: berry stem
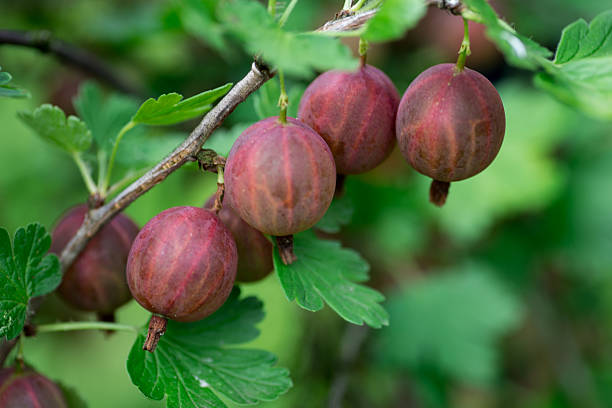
91 186
464 51
357 5
72 326
157 328
111 161
438 192
363 52
287 13
218 205
283 100
285 249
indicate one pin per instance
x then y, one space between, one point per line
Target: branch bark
44 42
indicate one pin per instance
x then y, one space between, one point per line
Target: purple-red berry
182 266
28 389
450 125
254 249
96 279
280 178
355 113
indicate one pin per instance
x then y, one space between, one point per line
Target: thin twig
44 42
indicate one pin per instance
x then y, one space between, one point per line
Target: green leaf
50 123
25 272
453 321
582 72
518 49
198 17
104 116
393 19
338 214
298 54
169 109
326 272
9 90
193 359
569 44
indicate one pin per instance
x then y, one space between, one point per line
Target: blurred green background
502 298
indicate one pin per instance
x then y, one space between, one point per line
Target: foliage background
501 298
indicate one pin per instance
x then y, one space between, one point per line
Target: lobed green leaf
298 54
50 123
25 272
104 116
338 214
193 361
170 108
519 50
324 272
582 72
393 19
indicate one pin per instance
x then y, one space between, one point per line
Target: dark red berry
96 279
28 389
450 125
355 113
182 265
280 178
254 249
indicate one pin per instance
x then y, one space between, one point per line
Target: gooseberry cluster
279 179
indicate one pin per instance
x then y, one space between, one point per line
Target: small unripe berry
355 113
280 178
96 279
254 249
28 389
450 125
182 266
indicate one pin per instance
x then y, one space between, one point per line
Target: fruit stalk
220 191
283 100
363 52
464 51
